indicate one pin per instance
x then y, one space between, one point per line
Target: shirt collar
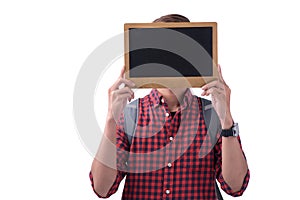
156 98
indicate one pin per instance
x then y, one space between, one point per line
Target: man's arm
229 187
234 164
104 176
104 167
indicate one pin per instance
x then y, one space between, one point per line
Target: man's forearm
105 174
234 165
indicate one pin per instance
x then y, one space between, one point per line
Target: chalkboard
171 54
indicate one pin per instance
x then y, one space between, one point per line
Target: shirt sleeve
225 187
123 146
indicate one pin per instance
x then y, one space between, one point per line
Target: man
169 119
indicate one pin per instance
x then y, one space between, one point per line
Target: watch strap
233 131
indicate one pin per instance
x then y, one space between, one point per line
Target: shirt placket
169 169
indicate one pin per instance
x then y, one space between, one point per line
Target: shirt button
162 101
171 138
168 191
167 114
169 165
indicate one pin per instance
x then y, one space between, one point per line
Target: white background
43 45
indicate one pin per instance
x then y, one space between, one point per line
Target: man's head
172 18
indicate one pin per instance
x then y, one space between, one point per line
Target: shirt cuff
229 191
92 183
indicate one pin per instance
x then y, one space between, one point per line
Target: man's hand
118 94
104 167
220 94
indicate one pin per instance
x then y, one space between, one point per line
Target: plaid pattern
164 160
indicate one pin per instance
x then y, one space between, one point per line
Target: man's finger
124 90
124 96
209 85
215 84
220 74
122 72
127 82
212 91
124 82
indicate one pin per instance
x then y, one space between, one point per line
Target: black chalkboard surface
171 54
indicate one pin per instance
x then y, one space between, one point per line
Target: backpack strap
213 126
211 120
131 114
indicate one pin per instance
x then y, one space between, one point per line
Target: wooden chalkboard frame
171 82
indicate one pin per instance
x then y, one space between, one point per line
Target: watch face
235 129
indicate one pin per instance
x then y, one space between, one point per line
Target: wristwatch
233 131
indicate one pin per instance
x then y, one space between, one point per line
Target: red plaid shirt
170 157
